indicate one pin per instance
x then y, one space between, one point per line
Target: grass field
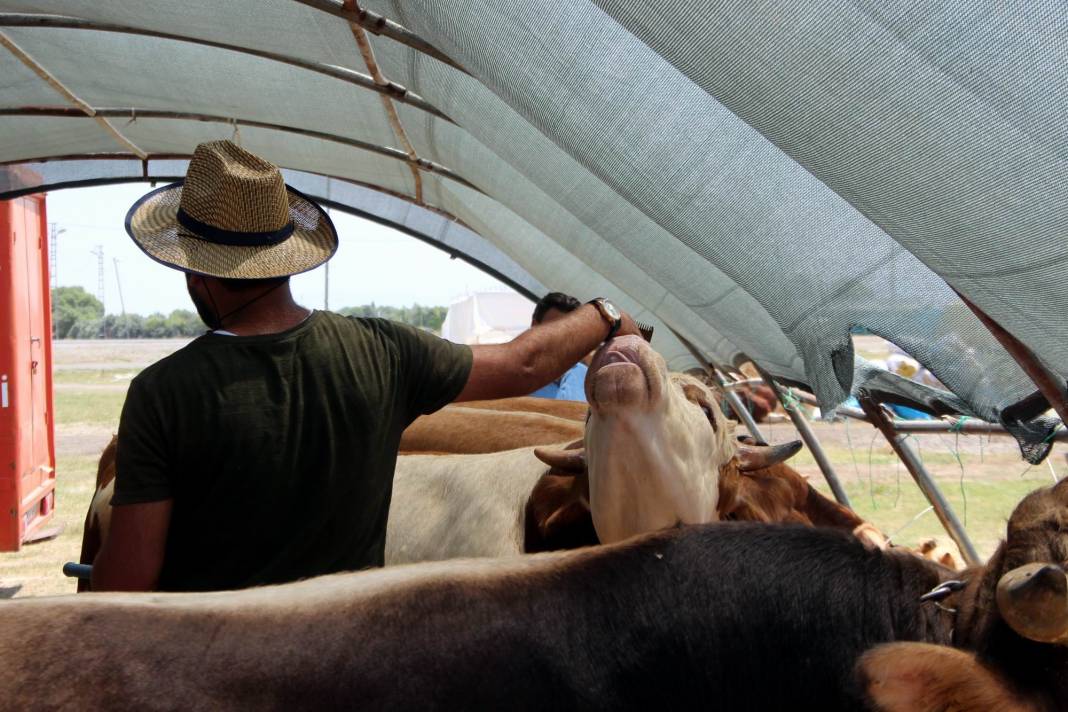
983 485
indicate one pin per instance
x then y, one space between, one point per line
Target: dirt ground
982 477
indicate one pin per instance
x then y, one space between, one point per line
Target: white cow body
452 506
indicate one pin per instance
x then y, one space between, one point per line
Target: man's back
278 451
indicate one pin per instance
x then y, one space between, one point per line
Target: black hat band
236 238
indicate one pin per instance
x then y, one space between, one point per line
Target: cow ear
757 457
920 677
871 537
570 458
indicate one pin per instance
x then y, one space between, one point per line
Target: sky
373 263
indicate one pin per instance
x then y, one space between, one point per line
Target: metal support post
923 479
804 429
738 407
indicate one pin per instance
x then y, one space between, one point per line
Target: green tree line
77 314
429 318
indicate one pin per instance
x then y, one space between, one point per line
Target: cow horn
1033 600
757 457
571 458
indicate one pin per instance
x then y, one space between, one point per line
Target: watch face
611 310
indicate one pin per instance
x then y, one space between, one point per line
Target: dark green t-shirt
279 450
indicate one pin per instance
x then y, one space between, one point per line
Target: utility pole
122 304
99 252
54 231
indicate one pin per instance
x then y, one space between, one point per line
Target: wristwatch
611 314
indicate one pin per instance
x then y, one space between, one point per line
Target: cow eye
708 414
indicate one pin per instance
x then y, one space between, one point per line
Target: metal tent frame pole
350 76
962 424
101 113
738 407
808 435
923 479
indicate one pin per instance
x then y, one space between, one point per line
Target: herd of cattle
707 572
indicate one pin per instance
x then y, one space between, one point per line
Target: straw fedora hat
233 216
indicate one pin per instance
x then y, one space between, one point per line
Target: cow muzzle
625 374
1033 600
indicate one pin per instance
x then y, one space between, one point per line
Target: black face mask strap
217 321
255 299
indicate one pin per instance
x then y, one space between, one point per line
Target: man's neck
272 314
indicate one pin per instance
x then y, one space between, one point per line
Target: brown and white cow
744 615
655 448
98 517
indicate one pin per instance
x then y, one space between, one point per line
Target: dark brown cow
1011 617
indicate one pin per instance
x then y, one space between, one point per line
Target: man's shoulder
355 325
172 363
383 330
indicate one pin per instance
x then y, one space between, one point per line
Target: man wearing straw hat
264 450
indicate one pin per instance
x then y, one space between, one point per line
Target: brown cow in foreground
733 615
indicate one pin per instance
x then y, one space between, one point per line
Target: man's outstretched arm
538 355
132 555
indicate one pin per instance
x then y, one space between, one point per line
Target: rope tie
958 425
789 400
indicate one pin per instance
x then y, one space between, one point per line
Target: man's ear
920 677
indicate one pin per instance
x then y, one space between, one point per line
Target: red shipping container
27 442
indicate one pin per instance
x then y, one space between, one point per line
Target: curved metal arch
133 112
343 207
373 22
390 89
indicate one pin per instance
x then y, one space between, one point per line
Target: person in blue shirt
571 385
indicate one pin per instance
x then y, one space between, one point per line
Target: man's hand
628 326
538 355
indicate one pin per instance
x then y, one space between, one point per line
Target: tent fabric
759 179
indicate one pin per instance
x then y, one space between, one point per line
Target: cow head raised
655 443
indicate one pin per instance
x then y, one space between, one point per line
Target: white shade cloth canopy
759 179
